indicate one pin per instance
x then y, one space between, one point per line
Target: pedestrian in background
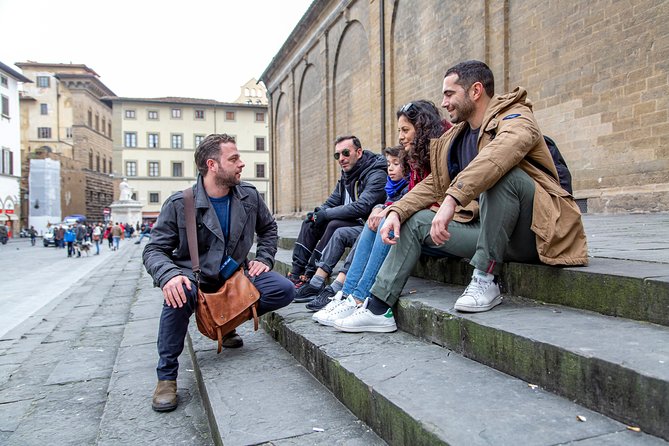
97 234
117 233
69 238
33 235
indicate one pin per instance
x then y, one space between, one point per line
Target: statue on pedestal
125 192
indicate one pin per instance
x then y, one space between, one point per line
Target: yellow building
155 141
64 120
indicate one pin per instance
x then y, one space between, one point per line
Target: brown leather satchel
218 313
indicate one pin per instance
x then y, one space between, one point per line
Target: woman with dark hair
417 122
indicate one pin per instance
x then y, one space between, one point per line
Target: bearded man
500 201
228 214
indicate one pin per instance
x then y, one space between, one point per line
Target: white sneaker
364 320
480 295
337 299
343 309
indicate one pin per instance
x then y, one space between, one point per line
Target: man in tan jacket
494 157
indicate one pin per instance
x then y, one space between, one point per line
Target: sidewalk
81 370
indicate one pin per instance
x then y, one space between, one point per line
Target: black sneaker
307 293
323 298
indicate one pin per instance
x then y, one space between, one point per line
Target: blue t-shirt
222 208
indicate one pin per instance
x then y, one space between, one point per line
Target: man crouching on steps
228 213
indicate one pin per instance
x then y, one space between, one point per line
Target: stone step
624 288
615 366
259 394
415 393
128 417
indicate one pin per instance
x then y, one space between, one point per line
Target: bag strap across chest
191 233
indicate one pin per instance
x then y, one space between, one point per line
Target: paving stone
11 414
623 438
66 415
143 331
92 336
98 363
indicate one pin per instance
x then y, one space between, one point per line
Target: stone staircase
572 356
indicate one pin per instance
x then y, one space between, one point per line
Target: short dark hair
471 71
356 141
399 152
209 148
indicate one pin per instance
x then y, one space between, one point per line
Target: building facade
64 119
155 141
596 72
10 146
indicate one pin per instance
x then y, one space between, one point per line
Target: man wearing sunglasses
360 187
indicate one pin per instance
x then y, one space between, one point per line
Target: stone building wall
597 72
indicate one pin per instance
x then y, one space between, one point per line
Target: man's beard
229 180
465 111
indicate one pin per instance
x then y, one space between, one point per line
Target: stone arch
284 159
312 139
351 85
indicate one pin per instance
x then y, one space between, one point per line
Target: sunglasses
345 152
410 110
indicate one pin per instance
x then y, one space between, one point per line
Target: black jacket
365 184
166 255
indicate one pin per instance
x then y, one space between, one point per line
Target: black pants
311 242
275 292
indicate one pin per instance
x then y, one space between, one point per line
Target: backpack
560 164
564 176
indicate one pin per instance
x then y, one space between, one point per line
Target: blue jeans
275 292
117 240
370 252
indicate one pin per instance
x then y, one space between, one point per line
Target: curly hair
426 119
400 153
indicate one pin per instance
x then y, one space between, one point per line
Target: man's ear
476 91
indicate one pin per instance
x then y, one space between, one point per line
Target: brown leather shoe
232 340
165 396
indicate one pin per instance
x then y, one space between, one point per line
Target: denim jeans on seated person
275 292
370 252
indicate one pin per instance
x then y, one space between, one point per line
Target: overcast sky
153 48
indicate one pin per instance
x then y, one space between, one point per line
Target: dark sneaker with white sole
307 293
323 298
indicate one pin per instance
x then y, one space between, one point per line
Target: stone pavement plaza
81 369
